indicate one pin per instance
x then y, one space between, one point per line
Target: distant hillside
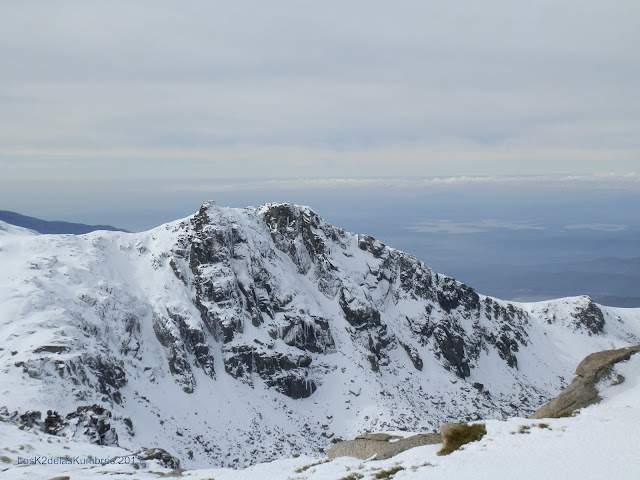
44 226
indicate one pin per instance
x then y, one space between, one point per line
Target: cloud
445 226
609 181
451 227
324 89
602 227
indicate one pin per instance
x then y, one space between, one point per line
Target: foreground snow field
601 442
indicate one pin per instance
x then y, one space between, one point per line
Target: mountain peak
260 332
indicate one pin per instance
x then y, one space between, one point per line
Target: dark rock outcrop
286 372
589 317
91 421
162 456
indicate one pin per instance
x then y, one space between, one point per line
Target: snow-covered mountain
600 443
240 335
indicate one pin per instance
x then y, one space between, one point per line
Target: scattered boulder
30 419
454 435
95 422
582 391
92 421
164 458
54 423
381 445
51 349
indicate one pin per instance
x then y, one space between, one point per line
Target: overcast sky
209 89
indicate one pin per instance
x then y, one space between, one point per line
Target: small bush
461 434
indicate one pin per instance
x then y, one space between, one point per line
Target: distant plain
516 238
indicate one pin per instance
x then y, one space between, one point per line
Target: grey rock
164 458
92 421
51 349
285 372
582 390
381 445
30 418
590 317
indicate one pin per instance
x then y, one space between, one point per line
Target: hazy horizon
522 238
481 137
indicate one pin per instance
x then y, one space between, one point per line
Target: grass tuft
524 429
461 435
527 428
567 414
307 467
383 474
425 464
353 476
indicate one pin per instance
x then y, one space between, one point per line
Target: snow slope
240 335
601 442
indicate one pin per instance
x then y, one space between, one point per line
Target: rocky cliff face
234 336
235 287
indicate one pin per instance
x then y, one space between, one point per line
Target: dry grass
527 428
384 474
462 435
307 467
567 414
353 476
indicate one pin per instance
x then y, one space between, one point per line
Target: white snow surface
81 298
600 443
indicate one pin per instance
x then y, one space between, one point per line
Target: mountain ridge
52 227
239 335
